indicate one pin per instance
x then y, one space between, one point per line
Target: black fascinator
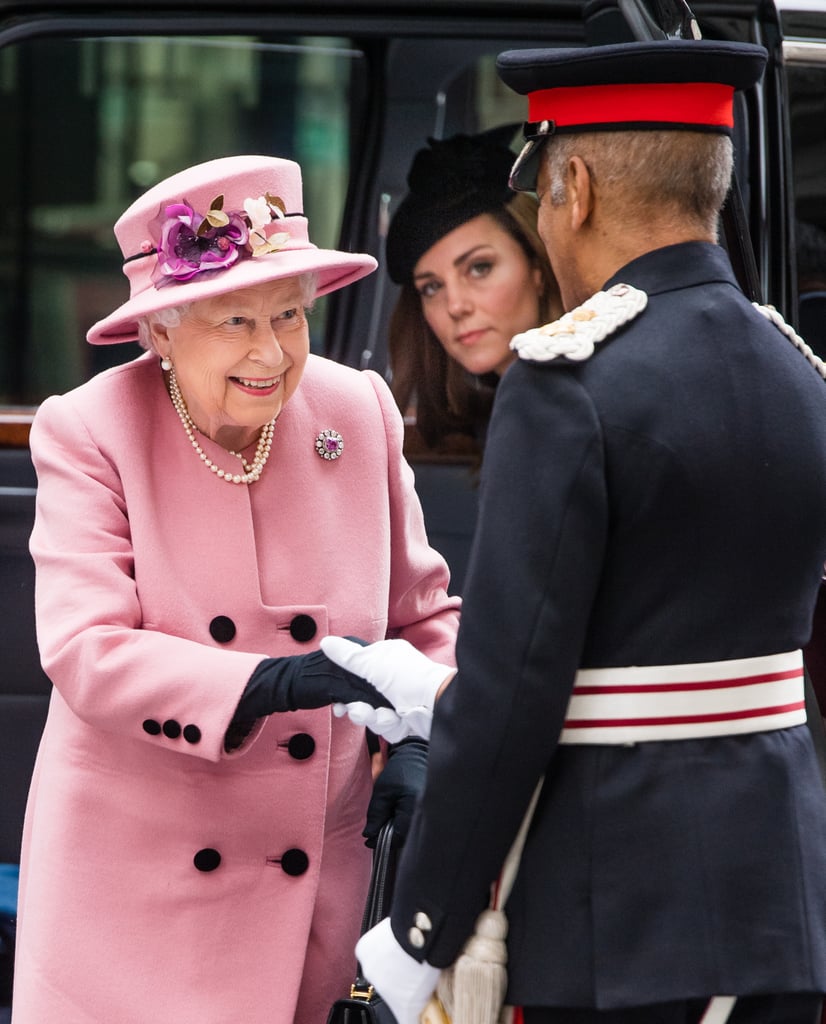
450 182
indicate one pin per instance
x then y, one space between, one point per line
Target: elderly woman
206 513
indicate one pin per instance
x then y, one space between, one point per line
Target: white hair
172 315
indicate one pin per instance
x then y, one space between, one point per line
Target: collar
684 265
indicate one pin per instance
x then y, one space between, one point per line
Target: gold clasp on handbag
360 993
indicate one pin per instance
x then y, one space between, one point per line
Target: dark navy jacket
662 502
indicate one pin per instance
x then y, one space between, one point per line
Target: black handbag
364 1005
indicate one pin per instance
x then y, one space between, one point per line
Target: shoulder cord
770 313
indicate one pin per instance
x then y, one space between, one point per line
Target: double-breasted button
222 629
303 628
207 859
152 727
171 728
192 734
301 746
294 862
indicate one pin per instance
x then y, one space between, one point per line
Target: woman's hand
397 789
405 677
302 681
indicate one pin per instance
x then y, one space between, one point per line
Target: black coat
662 502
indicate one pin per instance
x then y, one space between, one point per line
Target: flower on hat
264 235
191 243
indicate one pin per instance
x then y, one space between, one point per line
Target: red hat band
705 104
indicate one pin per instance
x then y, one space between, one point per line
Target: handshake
407 680
389 686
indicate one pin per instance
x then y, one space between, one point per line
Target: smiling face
478 289
238 358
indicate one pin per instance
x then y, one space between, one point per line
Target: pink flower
189 245
192 244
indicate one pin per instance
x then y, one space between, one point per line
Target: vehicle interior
100 100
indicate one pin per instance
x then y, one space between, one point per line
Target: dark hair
448 399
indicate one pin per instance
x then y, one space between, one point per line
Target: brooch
575 334
329 444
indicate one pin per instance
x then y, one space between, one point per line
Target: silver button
421 920
415 938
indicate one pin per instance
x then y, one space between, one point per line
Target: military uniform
657 503
649 547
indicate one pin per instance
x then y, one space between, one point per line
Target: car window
91 123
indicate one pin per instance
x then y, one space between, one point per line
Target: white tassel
474 990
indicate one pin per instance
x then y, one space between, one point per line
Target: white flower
259 212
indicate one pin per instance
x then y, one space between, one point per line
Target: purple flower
190 244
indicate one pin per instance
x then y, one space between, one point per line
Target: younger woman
474 273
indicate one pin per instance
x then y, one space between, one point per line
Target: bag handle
382 874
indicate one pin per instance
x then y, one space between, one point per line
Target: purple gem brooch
329 444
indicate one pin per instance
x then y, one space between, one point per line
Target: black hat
671 84
451 182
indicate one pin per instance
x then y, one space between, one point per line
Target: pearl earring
166 364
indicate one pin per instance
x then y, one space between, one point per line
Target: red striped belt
677 702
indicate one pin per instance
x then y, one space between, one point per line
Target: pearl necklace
252 470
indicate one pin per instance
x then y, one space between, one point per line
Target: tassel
472 990
479 977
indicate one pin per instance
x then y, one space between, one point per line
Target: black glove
397 790
298 681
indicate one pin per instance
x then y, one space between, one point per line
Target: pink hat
214 228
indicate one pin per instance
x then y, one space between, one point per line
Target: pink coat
162 879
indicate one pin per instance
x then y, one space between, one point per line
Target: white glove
382 721
404 984
405 676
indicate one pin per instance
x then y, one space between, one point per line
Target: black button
171 728
192 734
222 629
301 746
206 859
294 862
303 628
152 727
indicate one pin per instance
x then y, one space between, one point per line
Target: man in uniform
650 544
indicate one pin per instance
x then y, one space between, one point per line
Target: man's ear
580 192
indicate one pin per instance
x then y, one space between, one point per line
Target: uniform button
171 728
222 629
192 734
416 938
301 746
294 862
422 921
152 727
207 859
303 628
